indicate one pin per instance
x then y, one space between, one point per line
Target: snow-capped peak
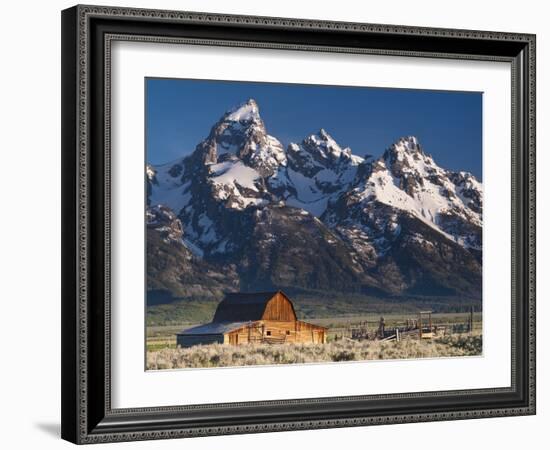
324 145
408 143
246 112
321 151
407 179
318 171
240 166
406 158
241 133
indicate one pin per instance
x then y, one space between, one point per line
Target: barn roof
243 306
213 328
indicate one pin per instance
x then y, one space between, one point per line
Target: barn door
317 337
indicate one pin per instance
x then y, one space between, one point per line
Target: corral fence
420 327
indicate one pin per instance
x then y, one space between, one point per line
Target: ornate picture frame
88 33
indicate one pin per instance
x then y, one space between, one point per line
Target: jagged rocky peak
163 220
466 180
392 222
323 145
318 171
320 151
406 153
409 144
408 181
241 134
247 112
407 162
416 173
470 189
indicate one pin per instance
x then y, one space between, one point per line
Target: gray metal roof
213 328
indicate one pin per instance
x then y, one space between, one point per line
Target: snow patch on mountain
150 172
240 168
408 181
234 173
194 249
451 201
425 205
237 184
169 175
175 197
318 171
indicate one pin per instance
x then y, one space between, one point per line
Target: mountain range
243 212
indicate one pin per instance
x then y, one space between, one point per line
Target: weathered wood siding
277 331
245 335
243 318
279 308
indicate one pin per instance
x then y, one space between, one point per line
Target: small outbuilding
259 317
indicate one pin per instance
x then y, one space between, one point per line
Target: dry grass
218 355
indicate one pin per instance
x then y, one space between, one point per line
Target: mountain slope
316 216
317 172
173 268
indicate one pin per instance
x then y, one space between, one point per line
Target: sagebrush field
219 355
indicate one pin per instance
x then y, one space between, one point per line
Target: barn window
287 331
269 333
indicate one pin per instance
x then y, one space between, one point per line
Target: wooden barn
261 317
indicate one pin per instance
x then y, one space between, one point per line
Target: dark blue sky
180 114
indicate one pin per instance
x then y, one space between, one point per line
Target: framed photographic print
282 224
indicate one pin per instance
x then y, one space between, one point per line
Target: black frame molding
87 33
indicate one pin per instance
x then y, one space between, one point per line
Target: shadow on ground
53 429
